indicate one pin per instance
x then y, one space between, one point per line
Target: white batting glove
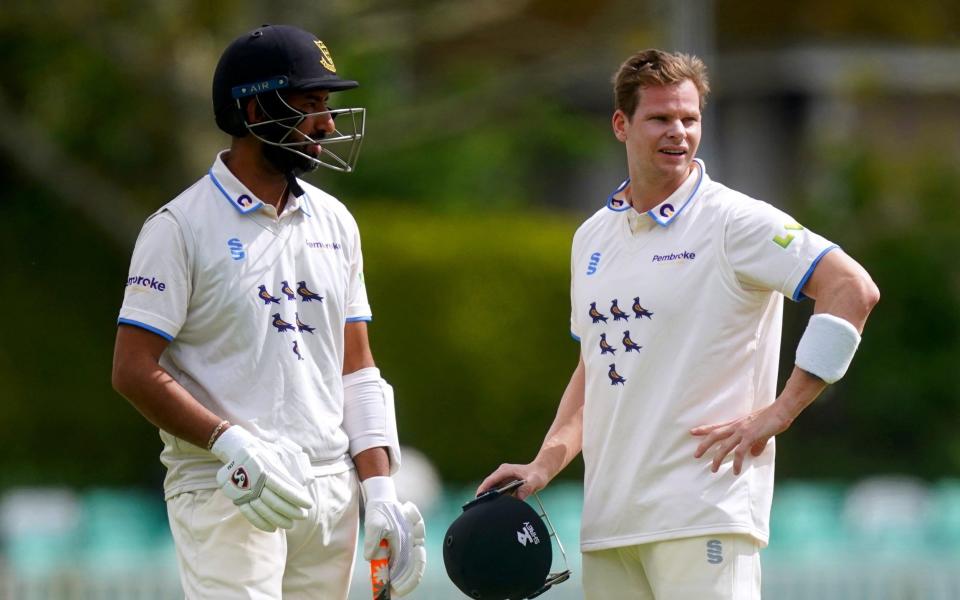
258 481
402 526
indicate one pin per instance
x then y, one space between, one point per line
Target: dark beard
286 161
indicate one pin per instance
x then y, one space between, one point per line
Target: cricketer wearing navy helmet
250 353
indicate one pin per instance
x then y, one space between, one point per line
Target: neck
647 192
249 166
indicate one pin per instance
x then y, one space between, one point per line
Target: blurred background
487 143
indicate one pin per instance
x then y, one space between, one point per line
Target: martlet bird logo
306 294
641 311
595 314
266 296
301 326
286 291
618 315
605 346
280 324
296 350
630 344
615 377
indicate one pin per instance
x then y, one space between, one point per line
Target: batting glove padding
385 518
257 477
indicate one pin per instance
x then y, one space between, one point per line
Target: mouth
673 151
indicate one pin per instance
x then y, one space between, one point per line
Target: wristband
827 347
379 489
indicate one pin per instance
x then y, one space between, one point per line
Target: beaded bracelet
216 433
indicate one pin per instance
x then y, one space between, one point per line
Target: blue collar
237 194
664 213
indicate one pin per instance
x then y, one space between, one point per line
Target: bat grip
380 572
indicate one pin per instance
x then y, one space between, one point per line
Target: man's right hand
533 476
258 481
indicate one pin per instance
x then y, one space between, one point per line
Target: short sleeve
575 326
769 250
157 289
358 306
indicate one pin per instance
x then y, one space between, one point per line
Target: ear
252 110
620 123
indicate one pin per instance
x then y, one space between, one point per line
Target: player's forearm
564 440
799 392
163 401
373 462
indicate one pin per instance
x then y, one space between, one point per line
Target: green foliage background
475 123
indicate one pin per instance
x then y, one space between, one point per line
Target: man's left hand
385 518
746 434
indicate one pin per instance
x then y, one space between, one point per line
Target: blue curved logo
236 248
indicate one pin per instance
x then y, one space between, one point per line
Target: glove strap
230 442
379 489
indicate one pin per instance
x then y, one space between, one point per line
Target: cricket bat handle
380 572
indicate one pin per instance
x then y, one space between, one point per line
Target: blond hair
656 67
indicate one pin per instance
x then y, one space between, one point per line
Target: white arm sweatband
827 347
368 415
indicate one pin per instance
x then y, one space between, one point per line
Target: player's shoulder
598 222
182 205
719 196
731 203
317 200
191 202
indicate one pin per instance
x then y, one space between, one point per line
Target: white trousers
223 557
713 567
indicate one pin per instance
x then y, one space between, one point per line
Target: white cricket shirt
254 307
679 322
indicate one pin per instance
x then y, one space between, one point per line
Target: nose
676 130
325 123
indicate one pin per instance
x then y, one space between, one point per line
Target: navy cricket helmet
262 65
499 548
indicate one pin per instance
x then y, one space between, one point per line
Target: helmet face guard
338 150
500 547
260 67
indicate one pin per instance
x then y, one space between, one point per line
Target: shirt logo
684 256
666 210
244 201
527 534
784 241
714 552
236 248
594 263
148 282
324 245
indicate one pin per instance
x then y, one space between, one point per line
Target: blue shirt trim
149 328
620 188
574 336
798 294
355 319
234 203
